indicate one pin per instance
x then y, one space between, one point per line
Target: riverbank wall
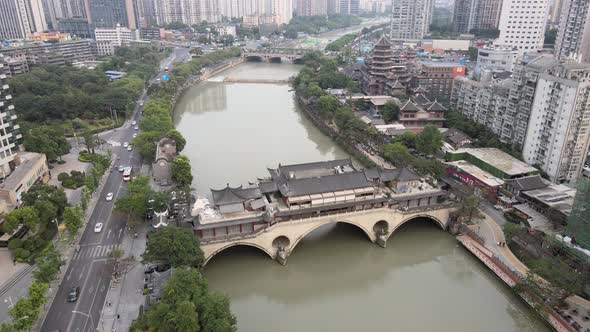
329 131
205 75
512 278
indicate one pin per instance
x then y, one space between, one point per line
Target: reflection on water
235 131
335 280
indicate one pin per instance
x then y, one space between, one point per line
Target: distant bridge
293 55
279 239
254 80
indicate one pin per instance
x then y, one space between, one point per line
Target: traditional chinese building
386 71
419 112
307 190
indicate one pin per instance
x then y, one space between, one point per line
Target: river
336 280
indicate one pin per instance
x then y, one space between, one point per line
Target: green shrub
15 244
61 162
69 183
62 176
22 254
84 158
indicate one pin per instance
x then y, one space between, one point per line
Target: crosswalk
98 251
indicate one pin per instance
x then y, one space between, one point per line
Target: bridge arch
235 244
254 58
308 231
434 219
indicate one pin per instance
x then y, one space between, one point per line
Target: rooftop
478 173
557 196
28 160
528 183
500 160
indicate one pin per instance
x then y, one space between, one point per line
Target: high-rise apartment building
311 7
573 34
9 134
555 12
543 109
18 18
411 19
107 40
109 13
349 7
558 132
522 24
476 14
189 12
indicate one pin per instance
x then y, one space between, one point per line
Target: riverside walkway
501 261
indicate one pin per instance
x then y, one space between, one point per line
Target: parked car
109 197
125 144
134 135
129 148
73 294
136 128
133 122
121 168
98 227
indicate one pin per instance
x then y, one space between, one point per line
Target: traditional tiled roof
409 106
324 184
455 136
528 183
383 41
229 195
421 99
435 106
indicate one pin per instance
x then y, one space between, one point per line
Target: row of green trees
187 304
320 73
316 24
27 309
340 43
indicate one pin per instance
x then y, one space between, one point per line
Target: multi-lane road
90 268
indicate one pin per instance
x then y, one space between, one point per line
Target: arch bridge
278 240
292 55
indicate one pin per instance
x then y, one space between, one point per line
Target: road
91 268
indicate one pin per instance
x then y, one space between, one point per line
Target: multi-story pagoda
385 71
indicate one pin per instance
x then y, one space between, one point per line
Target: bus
127 174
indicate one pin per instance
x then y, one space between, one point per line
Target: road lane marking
69 327
91 305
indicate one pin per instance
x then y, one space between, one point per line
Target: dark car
73 294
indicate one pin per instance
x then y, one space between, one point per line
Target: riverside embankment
422 281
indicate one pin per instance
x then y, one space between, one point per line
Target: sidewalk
492 233
126 296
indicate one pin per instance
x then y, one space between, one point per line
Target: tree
24 314
429 140
91 141
178 138
408 139
7 327
73 218
37 293
327 106
55 195
469 209
390 112
46 210
181 171
26 215
187 305
398 154
145 143
176 246
135 203
48 264
47 140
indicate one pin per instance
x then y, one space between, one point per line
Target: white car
98 227
129 148
136 127
133 122
109 196
134 135
125 144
